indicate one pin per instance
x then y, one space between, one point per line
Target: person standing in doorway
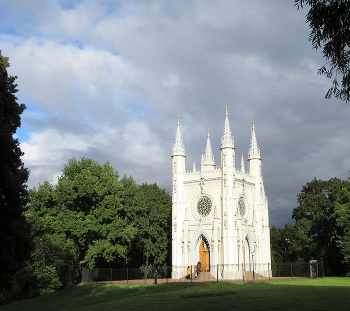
199 268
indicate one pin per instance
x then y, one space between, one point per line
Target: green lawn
321 294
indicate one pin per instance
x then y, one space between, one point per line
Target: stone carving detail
201 185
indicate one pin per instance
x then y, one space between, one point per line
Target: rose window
204 206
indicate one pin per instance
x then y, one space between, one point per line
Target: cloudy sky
107 79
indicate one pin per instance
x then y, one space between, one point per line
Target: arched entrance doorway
204 255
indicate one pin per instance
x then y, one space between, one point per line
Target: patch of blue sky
115 52
12 39
68 4
7 30
120 9
34 120
35 114
76 95
22 133
135 107
78 44
75 43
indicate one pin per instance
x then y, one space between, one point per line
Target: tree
317 223
149 207
95 218
14 229
81 219
55 256
287 244
322 227
91 195
154 224
330 30
342 216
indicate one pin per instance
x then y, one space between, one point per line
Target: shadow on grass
323 294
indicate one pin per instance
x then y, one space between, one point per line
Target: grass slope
321 294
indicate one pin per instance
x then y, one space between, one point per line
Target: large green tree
285 244
14 229
315 217
342 216
56 254
93 217
149 207
322 227
92 194
81 220
330 30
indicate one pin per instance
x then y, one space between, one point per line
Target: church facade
219 214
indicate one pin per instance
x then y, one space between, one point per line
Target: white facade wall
234 236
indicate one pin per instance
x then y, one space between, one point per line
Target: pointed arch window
241 207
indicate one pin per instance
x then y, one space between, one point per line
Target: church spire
227 139
254 151
179 147
194 166
208 155
242 165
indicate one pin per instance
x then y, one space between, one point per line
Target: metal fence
146 275
215 273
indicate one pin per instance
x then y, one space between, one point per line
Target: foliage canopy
322 227
330 30
93 218
14 230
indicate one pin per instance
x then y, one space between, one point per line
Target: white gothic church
219 214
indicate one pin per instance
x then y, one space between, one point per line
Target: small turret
254 155
242 165
254 151
227 139
179 147
208 158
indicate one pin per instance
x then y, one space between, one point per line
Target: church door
204 256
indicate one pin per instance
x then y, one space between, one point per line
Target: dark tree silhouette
329 21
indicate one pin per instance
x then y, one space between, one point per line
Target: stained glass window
241 206
204 206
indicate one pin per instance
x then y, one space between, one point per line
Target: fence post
145 274
291 269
